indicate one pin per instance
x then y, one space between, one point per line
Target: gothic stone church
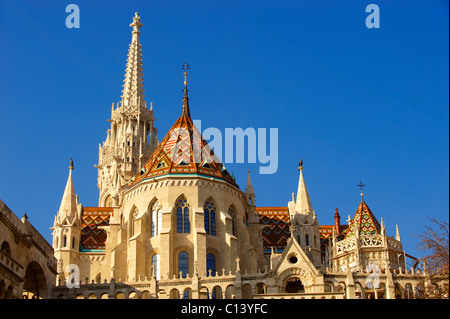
173 223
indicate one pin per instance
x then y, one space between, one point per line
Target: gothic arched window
210 217
232 214
183 263
156 219
156 265
132 221
211 264
183 224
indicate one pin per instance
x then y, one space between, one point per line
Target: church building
172 223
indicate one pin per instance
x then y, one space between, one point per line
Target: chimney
337 222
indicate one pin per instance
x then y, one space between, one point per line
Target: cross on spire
361 185
186 111
185 67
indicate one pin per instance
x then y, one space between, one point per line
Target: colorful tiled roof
93 238
277 230
364 222
184 151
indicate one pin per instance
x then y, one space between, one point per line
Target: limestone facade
169 227
27 262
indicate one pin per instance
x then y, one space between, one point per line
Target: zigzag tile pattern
91 236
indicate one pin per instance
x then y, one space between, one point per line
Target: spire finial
300 164
361 185
186 110
136 24
71 163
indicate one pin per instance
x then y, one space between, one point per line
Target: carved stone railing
371 241
394 244
346 245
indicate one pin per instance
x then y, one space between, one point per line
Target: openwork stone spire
133 88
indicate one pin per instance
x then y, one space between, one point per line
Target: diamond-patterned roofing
184 151
364 222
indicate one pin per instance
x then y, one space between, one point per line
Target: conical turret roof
364 222
183 151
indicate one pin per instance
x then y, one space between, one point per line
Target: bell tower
132 136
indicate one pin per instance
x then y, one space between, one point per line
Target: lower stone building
27 262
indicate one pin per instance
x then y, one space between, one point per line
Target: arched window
210 217
64 241
307 240
156 222
186 293
183 263
6 248
183 225
156 266
211 264
132 220
232 214
73 242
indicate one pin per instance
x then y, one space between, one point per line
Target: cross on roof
361 185
185 67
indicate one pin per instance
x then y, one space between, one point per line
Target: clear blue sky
354 103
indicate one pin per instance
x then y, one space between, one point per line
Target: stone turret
67 227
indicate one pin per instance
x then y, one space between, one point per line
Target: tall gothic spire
133 88
303 203
68 207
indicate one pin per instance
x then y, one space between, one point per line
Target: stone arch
203 292
217 260
174 294
210 215
120 295
35 283
6 248
153 219
187 293
108 200
328 286
190 254
247 291
149 262
232 212
408 291
133 295
260 288
217 292
145 294
294 275
230 292
359 290
132 221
